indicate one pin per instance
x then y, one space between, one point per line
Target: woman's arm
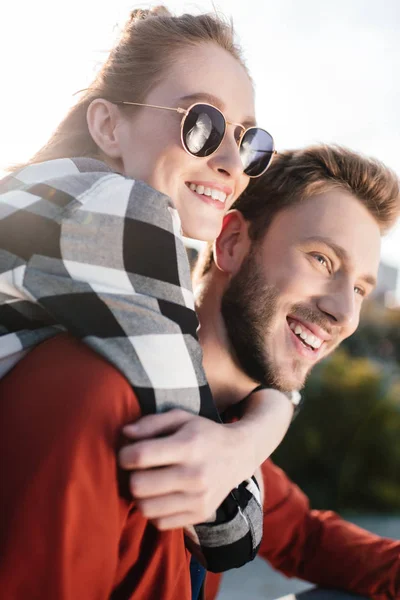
102 256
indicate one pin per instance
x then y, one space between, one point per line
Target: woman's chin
206 232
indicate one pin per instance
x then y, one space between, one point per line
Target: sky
324 71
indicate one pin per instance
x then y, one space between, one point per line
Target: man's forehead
336 217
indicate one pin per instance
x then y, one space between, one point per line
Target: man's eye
359 290
323 261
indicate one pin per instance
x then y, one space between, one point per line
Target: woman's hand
183 465
181 478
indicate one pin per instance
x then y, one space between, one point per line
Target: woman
91 249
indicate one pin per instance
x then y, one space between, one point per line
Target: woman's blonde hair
150 41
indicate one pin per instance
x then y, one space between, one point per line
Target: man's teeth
308 338
206 191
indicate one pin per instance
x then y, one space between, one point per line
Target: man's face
299 292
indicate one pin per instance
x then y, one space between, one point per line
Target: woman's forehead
207 69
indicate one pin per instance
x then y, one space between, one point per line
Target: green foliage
344 447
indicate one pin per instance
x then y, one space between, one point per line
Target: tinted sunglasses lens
203 130
256 151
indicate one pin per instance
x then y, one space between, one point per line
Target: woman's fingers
180 509
176 521
160 424
162 506
158 482
151 453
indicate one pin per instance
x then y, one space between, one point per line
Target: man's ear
102 118
233 243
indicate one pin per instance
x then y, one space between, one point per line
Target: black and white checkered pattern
87 250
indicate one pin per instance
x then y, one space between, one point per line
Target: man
308 273
296 264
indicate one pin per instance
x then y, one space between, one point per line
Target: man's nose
339 303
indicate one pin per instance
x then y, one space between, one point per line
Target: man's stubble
249 308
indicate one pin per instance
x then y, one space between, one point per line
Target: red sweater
69 530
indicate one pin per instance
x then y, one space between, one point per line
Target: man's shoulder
65 353
65 369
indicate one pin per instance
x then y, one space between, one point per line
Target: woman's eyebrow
215 101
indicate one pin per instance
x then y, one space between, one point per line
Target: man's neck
228 383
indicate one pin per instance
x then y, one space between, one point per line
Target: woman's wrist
246 446
265 419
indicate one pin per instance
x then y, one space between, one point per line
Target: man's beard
249 308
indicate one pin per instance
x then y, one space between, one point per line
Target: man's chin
289 381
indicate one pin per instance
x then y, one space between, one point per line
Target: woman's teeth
206 191
308 338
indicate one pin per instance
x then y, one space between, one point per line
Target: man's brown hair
299 174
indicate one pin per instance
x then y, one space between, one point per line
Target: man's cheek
295 292
294 280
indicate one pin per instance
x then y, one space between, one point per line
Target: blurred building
387 291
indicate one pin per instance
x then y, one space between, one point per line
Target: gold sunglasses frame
185 112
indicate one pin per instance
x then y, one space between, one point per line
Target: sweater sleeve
103 256
319 546
323 548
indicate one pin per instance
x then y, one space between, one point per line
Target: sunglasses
203 129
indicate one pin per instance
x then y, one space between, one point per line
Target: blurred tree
343 449
378 335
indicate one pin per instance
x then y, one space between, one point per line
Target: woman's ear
102 119
232 244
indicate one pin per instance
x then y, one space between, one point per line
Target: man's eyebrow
215 101
342 255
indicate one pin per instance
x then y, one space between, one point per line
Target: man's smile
306 342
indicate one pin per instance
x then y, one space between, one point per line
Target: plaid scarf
87 250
